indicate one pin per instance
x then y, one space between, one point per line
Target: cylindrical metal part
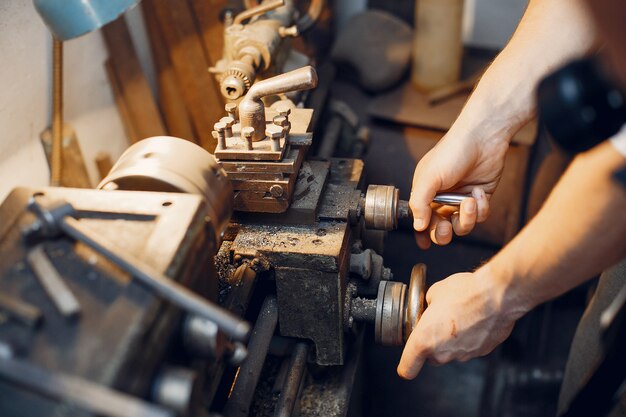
289 391
381 207
390 307
252 109
363 309
247 133
201 337
165 163
238 404
174 388
232 111
56 159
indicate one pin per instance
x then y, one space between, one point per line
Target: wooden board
202 98
207 14
170 97
140 105
405 105
74 172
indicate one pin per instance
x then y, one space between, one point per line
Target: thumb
423 192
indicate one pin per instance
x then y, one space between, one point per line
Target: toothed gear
238 74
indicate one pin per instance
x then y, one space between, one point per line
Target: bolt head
219 126
276 191
273 131
283 109
230 107
280 121
247 132
228 121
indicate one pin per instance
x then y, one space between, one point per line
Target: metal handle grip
450 199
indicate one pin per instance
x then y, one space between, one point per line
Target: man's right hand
456 164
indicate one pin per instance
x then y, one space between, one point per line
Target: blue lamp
68 19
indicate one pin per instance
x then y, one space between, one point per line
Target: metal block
119 317
301 316
318 247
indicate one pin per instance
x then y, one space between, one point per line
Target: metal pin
52 283
275 133
284 111
221 145
220 129
231 110
229 122
247 133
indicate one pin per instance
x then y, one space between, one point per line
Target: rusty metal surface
119 317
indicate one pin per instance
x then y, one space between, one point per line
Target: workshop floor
456 389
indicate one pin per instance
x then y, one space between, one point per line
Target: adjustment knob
398 308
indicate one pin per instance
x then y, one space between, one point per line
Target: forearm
550 33
580 231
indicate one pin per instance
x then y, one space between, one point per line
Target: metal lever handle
252 109
257 10
450 199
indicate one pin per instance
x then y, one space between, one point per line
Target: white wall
25 97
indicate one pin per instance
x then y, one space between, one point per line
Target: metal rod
85 394
52 283
172 291
450 199
56 159
238 404
289 391
20 310
258 10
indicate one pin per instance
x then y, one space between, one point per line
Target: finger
482 204
422 239
464 221
440 231
413 357
422 194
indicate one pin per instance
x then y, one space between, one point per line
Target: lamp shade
68 19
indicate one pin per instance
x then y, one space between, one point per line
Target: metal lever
257 10
252 109
450 199
60 220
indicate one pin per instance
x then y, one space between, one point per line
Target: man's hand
465 319
455 164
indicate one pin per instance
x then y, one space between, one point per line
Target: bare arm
580 231
470 157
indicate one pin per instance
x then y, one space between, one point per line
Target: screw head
283 109
280 121
228 121
247 132
273 131
220 127
230 107
276 191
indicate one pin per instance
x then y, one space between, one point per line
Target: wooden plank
190 63
140 104
120 103
170 97
74 173
207 13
